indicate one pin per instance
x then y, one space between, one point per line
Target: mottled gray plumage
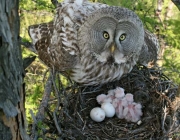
94 42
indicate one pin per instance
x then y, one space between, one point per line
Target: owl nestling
94 42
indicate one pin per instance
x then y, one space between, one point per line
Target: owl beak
112 49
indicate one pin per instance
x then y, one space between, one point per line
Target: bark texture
11 74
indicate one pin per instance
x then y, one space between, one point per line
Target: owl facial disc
114 34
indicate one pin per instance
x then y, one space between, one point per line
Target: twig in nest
76 103
164 118
65 112
84 125
95 89
80 117
56 123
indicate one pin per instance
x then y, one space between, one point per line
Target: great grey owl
95 43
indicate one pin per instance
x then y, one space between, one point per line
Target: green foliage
34 87
172 64
33 17
33 12
36 5
172 33
171 57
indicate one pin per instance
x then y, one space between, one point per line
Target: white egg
97 114
108 109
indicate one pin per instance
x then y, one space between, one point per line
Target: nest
67 114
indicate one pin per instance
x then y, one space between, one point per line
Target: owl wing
40 35
150 49
57 42
39 31
53 56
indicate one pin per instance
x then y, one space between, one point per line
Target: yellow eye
106 35
122 37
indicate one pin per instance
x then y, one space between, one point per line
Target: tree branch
45 99
41 111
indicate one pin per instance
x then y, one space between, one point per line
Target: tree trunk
12 113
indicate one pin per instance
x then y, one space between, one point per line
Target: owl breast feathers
94 42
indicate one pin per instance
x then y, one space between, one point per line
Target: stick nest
67 115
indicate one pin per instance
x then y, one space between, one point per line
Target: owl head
112 35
